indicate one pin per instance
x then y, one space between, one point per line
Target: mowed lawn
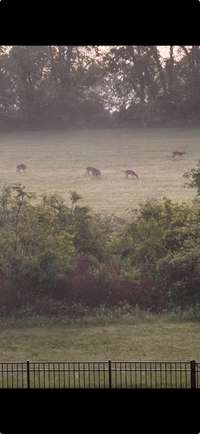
148 340
57 160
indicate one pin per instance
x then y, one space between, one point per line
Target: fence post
109 374
28 373
193 374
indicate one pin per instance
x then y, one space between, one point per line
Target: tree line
82 86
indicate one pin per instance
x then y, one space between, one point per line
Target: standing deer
21 167
130 173
177 154
92 171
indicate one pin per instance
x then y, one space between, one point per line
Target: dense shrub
68 254
162 245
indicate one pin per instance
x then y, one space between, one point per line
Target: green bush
49 250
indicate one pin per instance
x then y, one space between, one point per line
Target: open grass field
56 162
145 340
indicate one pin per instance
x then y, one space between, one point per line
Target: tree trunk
141 77
53 65
171 69
156 56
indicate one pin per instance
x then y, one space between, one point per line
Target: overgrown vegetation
54 256
193 177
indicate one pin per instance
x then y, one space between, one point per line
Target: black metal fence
96 375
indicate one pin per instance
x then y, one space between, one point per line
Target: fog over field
56 162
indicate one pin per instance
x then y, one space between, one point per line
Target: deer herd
92 171
96 173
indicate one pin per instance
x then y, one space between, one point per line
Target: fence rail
98 375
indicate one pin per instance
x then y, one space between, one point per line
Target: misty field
56 162
145 340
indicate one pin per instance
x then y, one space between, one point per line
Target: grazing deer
130 173
93 171
21 167
177 154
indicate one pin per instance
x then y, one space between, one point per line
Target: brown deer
177 154
21 167
130 173
92 171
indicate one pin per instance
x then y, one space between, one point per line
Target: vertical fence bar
193 374
109 374
28 373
